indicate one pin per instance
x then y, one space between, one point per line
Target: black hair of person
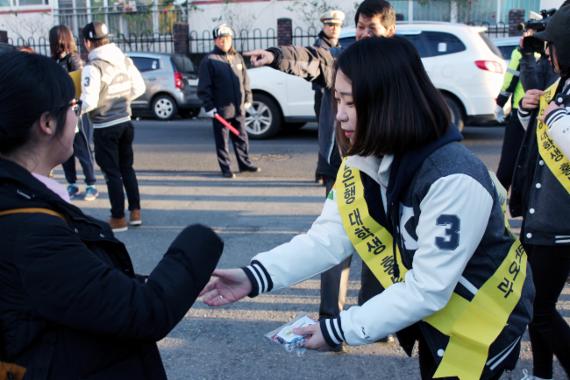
30 85
398 108
380 8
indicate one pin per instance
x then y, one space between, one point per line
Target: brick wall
284 31
516 16
180 36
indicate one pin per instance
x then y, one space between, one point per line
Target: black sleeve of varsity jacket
259 278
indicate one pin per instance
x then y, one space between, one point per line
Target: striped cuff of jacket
259 277
332 331
554 116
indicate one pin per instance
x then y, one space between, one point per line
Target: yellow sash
472 326
557 163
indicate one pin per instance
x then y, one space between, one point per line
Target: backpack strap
31 210
12 371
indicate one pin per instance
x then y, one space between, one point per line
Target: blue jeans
81 151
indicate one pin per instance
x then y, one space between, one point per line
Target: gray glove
211 113
499 114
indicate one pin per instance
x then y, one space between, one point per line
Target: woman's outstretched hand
226 286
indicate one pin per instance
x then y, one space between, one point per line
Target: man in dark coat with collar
224 89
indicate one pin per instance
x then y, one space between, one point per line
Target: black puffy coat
71 306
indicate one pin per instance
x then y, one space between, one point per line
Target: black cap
95 30
558 32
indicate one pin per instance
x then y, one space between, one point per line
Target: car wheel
455 111
164 107
263 119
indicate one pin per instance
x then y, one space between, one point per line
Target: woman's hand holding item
226 286
314 338
531 99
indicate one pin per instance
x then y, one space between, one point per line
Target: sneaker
228 175
91 193
72 190
252 169
135 219
118 224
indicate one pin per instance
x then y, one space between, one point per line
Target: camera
532 44
537 25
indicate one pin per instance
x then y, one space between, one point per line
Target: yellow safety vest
557 163
472 326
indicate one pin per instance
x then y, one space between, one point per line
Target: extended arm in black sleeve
314 64
69 285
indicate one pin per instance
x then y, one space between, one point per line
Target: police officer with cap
327 38
541 194
224 89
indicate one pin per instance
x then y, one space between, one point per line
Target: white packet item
285 336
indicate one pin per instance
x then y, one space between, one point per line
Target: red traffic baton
225 123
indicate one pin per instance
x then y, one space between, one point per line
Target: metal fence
245 40
201 43
147 42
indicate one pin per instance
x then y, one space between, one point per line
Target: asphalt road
180 185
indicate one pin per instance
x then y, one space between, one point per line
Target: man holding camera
541 194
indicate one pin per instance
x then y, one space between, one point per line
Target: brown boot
118 224
135 219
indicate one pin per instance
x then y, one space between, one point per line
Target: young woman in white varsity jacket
422 212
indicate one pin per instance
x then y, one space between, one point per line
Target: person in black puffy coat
71 305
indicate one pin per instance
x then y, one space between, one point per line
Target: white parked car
279 101
506 46
460 60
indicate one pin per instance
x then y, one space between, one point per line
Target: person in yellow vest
541 195
424 215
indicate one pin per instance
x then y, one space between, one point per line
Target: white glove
499 114
211 113
247 106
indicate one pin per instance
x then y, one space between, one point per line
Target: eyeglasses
331 24
75 105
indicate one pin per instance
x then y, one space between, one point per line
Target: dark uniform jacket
538 196
315 64
71 306
223 83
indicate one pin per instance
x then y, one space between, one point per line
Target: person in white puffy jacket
424 215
